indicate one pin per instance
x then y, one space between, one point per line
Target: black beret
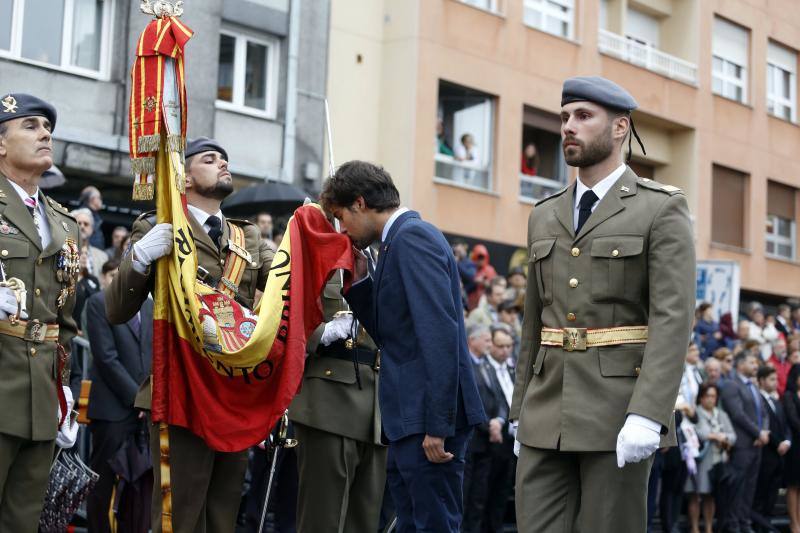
18 105
204 144
598 90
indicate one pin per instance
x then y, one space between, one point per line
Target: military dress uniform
341 461
32 367
206 485
608 314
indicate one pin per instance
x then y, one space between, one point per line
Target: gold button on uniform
573 283
615 253
576 252
637 370
39 261
38 291
329 372
33 352
571 317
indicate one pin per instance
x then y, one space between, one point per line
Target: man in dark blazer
411 306
478 464
121 358
770 475
747 411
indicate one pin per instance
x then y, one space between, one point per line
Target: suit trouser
501 481
24 471
564 492
477 468
107 438
427 496
769 483
206 484
341 482
746 463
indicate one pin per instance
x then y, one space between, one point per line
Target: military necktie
588 199
30 203
214 228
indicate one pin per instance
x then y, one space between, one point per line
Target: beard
586 155
362 243
219 191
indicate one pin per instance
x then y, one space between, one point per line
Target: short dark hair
740 358
108 266
508 305
703 390
765 371
360 178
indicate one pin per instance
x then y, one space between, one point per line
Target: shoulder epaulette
239 221
148 216
656 186
60 208
554 195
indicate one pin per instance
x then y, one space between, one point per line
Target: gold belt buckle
35 331
575 339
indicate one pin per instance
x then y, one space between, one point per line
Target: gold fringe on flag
175 143
143 165
148 143
143 191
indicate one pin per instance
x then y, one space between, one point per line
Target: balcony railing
537 188
461 172
648 57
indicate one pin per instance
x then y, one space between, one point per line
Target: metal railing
648 57
463 173
537 188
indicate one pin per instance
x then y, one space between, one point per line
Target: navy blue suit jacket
412 309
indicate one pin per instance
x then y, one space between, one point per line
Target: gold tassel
143 191
166 485
143 165
148 143
175 143
180 183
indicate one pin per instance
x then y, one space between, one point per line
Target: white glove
517 447
68 432
156 243
638 439
512 428
8 304
338 328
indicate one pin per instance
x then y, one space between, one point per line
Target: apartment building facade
716 81
255 71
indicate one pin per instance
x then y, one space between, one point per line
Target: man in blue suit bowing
410 303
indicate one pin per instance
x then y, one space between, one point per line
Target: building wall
387 109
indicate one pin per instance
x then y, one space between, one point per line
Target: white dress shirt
201 216
44 225
388 226
503 376
600 189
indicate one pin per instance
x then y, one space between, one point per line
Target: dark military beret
598 90
204 144
18 105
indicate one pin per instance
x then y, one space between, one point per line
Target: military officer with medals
340 458
39 263
608 314
206 484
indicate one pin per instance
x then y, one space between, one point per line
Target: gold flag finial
162 8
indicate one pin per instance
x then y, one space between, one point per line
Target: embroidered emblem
150 104
9 104
7 229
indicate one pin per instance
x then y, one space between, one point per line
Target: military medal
68 267
7 229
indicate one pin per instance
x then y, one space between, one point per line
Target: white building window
247 79
493 6
552 16
642 28
464 137
780 237
729 62
782 82
71 35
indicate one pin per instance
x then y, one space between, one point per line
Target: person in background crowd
92 199
467 151
783 320
725 358
770 475
264 222
487 312
745 407
761 330
466 268
501 478
707 330
442 145
484 273
726 328
796 319
791 405
118 237
95 257
779 360
714 428
530 160
742 335
517 284
479 459
691 378
509 314
713 370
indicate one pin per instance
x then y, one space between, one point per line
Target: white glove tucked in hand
8 304
517 446
512 428
68 432
638 439
156 243
338 328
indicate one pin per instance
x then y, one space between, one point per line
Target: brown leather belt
581 339
30 330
